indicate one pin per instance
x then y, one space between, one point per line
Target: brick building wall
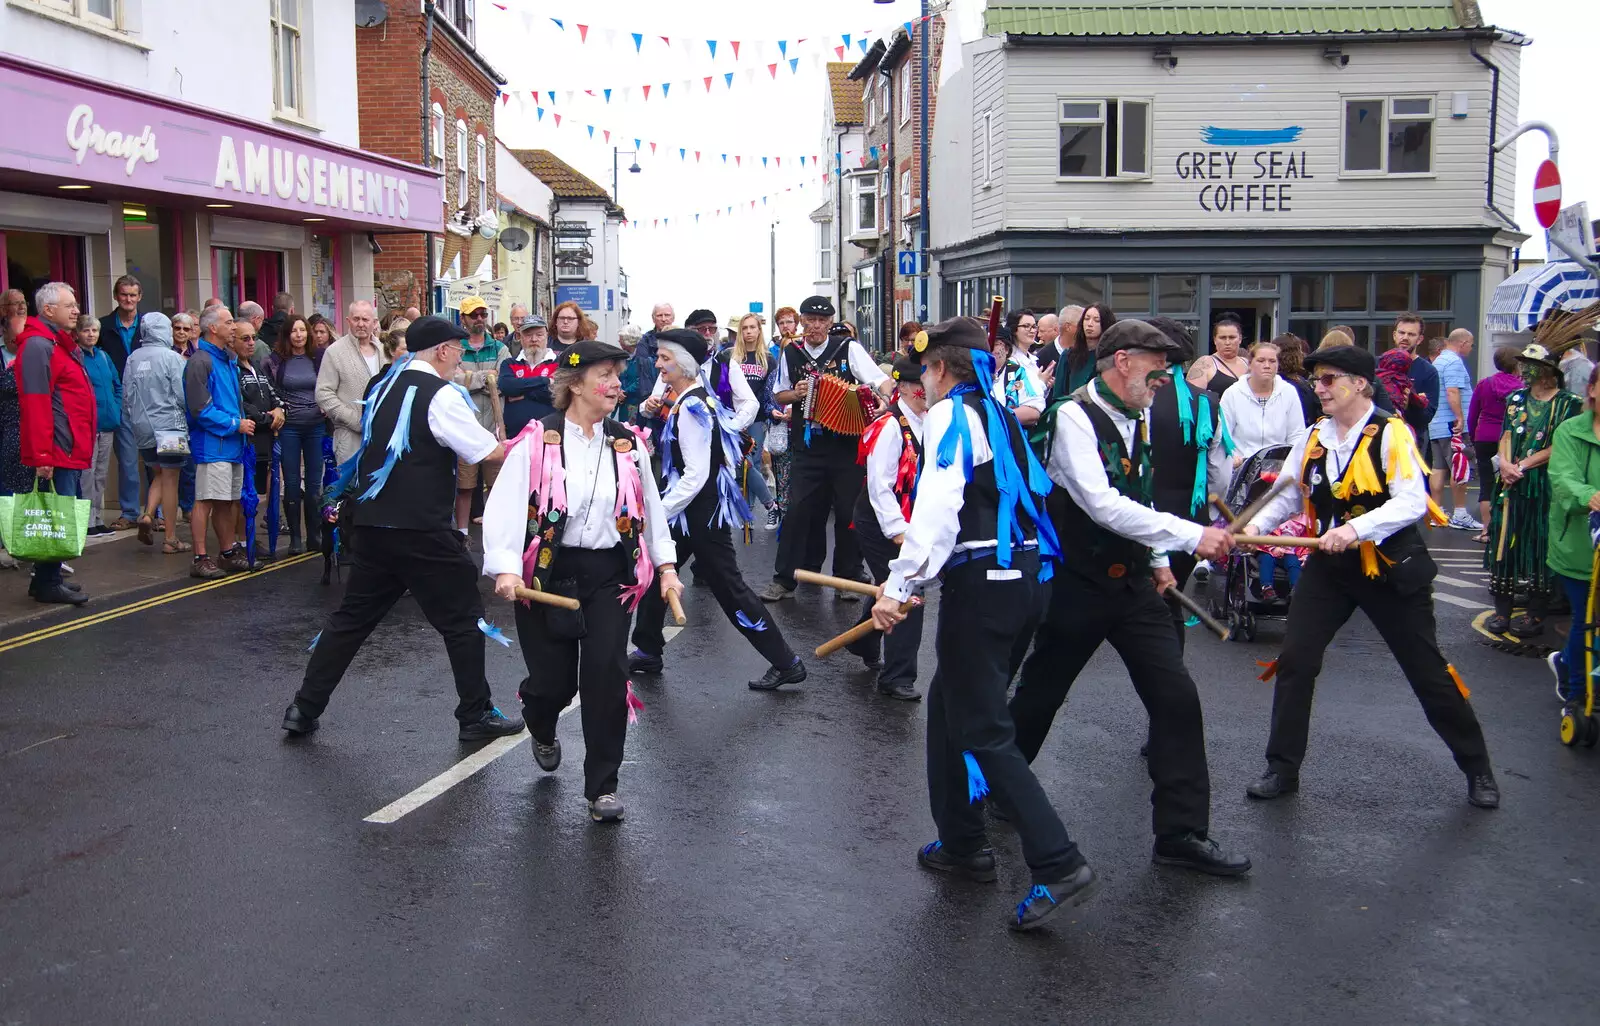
389 95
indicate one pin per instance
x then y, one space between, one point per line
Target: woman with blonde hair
749 356
569 325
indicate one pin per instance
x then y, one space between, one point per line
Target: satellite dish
371 13
515 240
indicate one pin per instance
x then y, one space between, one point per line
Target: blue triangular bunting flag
713 44
638 41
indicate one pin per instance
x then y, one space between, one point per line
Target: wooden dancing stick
677 609
1194 610
854 634
544 598
1222 507
841 583
1278 541
1242 521
1505 522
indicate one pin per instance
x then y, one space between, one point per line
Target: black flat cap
1352 360
960 332
906 369
1178 334
432 330
817 306
840 331
1134 334
582 354
692 341
698 318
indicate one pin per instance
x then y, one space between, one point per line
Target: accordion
837 405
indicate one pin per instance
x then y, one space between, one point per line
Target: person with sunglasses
1361 474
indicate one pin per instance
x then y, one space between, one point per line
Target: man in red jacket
58 415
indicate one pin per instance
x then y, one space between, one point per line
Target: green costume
1519 518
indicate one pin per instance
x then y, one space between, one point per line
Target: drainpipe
924 279
838 221
1494 125
891 210
427 142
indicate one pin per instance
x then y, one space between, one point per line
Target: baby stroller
1233 590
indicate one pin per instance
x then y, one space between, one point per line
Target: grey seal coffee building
1297 164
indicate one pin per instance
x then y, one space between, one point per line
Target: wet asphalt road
172 859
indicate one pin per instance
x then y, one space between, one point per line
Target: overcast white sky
722 261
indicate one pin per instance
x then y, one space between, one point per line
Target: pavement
167 855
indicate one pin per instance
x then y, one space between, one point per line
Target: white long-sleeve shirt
1075 465
1408 497
1256 425
590 521
746 407
856 358
695 439
936 517
883 466
454 420
1018 385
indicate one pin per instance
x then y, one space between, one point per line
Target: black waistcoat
980 501
420 494
1089 551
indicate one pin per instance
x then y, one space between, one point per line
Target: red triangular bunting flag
558 120
697 156
839 52
708 83
608 134
504 99
583 33
735 44
779 160
652 149
773 68
664 39
738 160
647 92
535 95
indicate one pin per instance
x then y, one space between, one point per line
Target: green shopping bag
43 526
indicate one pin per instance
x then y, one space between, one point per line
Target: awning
1522 300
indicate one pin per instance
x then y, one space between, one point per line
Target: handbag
564 624
44 526
778 438
172 443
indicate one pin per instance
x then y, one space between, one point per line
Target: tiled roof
847 108
566 181
1218 17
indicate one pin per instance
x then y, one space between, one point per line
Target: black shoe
641 662
979 866
60 593
904 692
102 529
1044 900
1482 790
297 721
1273 785
1199 852
776 678
1497 624
548 756
1526 626
872 662
491 724
1144 750
63 583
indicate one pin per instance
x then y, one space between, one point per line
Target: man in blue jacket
525 378
119 336
217 430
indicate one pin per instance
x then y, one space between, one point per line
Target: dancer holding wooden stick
575 513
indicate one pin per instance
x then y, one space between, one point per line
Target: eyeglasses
1026 327
479 313
1327 380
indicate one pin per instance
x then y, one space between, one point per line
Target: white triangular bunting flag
611 37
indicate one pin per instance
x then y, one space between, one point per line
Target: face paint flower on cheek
1158 377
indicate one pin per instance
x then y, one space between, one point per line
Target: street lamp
633 169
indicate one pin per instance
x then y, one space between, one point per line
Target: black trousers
980 622
711 550
595 668
435 566
1135 620
1182 565
822 479
1323 601
898 649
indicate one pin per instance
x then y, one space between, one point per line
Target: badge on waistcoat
1116 570
552 437
623 445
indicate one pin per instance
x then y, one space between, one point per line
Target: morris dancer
979 527
1111 584
703 503
1365 493
891 450
576 512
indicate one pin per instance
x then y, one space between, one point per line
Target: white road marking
1444 596
467 767
1458 582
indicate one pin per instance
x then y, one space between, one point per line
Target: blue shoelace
931 847
1039 891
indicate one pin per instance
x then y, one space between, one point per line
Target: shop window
1082 290
287 87
324 285
1434 290
246 274
1130 293
1178 294
1039 293
1350 292
1308 292
1394 292
1244 283
1104 138
461 165
866 204
148 238
1311 331
966 298
33 259
1388 135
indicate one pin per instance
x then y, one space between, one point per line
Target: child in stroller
1252 585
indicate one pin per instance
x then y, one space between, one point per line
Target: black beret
1352 360
692 341
432 330
700 317
582 354
817 306
960 332
906 369
1133 334
1178 334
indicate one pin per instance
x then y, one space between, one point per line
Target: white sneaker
772 518
1461 520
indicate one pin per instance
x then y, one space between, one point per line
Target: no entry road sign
1547 194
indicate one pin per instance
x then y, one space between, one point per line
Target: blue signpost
908 263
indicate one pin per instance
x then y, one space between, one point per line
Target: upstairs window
102 14
866 205
1388 135
461 165
288 95
1107 138
463 14
905 93
824 250
436 143
483 175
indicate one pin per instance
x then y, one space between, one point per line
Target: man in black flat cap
417 425
824 474
1366 482
1114 570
